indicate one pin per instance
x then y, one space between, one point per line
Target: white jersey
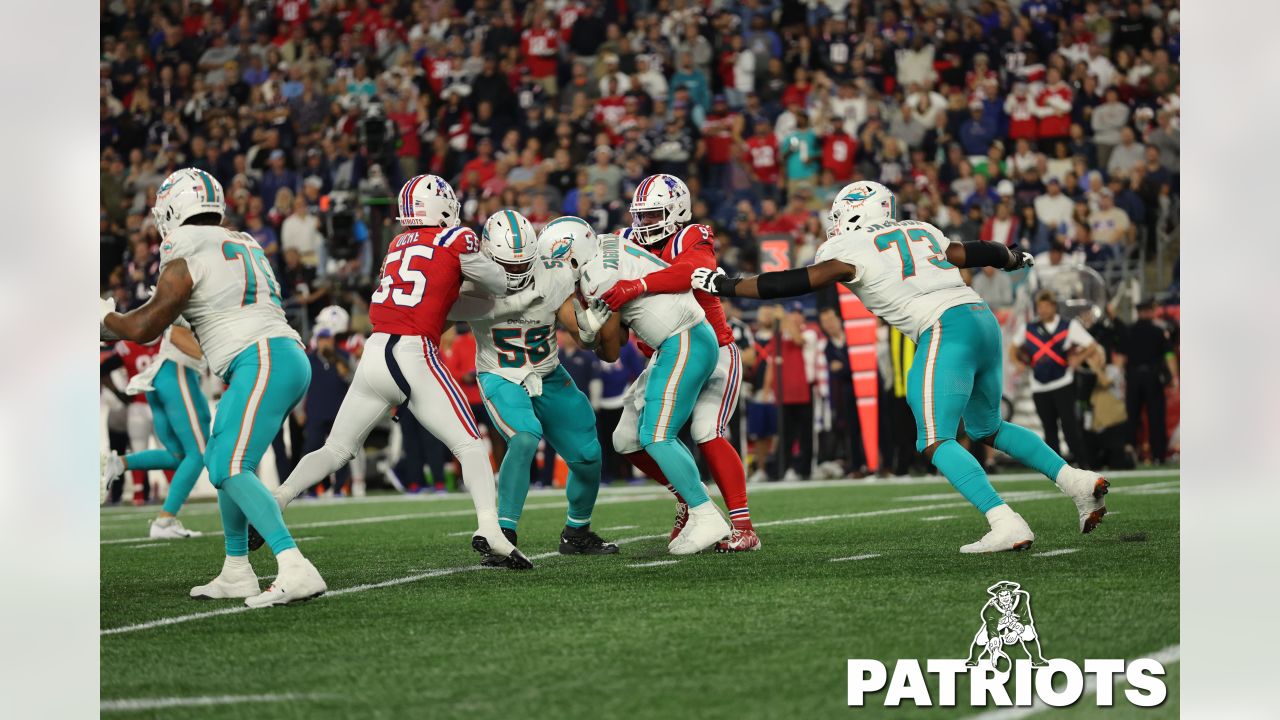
902 271
653 317
515 345
235 300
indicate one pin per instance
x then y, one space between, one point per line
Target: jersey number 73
903 239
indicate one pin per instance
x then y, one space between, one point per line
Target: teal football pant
180 415
264 382
677 373
958 373
563 415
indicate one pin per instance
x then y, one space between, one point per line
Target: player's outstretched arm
979 253
770 285
487 274
145 324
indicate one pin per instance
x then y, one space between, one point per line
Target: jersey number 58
404 273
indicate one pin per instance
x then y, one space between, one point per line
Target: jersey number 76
403 273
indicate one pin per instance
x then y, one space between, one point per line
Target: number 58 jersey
420 279
235 297
903 274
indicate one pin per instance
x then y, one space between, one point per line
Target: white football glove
106 306
1020 260
591 319
532 384
706 279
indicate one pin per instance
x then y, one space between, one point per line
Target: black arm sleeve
978 253
783 283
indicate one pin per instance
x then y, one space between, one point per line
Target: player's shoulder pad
600 273
182 242
462 240
692 236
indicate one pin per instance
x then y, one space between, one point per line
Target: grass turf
765 634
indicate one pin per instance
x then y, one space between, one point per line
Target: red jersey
762 156
420 279
540 48
837 155
136 359
690 248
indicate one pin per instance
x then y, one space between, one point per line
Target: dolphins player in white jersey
685 357
907 272
221 283
527 393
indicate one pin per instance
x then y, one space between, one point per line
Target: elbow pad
784 283
986 254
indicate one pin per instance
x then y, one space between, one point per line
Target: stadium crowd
1047 124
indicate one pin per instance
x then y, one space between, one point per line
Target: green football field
412 627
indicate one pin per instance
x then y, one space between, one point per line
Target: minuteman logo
1006 667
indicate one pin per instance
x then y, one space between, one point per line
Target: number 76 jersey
235 297
903 275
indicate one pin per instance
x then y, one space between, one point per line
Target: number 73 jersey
903 275
235 297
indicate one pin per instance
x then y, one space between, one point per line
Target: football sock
966 475
648 466
235 526
477 475
151 460
258 505
184 478
680 471
513 478
731 478
581 491
310 470
1029 449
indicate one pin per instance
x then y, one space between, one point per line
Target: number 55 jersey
235 298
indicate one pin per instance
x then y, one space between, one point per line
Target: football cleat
110 467
236 580
1087 489
170 528
740 541
1008 532
705 528
495 560
582 541
682 517
298 582
502 547
255 539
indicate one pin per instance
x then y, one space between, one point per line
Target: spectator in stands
1151 364
1127 155
792 381
842 444
301 232
1108 119
1109 224
1001 227
1052 347
331 371
994 287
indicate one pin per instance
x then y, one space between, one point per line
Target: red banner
860 334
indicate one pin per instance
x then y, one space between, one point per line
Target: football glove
624 292
106 306
711 281
1019 259
591 319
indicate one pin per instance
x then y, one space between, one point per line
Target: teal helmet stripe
515 228
893 207
208 186
568 218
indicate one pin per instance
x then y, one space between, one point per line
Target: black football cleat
582 541
515 561
255 539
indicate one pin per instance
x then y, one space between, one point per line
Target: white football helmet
861 203
334 318
509 239
186 193
569 239
659 207
427 200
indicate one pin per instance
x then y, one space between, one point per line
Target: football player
421 277
527 393
684 361
170 385
661 211
907 272
221 283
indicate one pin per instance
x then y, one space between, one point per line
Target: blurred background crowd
1052 125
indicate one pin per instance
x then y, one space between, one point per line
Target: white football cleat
1087 489
1008 532
170 528
110 467
236 580
298 581
706 527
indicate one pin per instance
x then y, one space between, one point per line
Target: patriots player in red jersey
661 211
421 277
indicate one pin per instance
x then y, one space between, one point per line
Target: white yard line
619 527
136 704
467 568
1167 656
936 518
655 563
867 556
1060 551
147 545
